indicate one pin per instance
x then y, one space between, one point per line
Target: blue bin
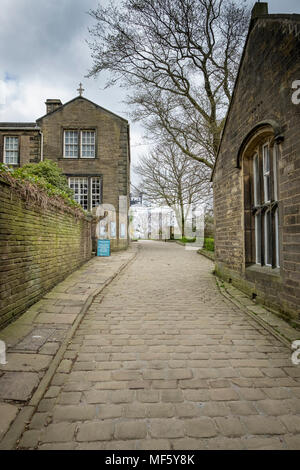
103 248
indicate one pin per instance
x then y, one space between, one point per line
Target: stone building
91 145
256 177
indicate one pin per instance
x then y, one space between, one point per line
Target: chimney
52 105
259 9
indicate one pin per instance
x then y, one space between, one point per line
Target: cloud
43 54
288 6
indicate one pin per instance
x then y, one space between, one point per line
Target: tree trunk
182 222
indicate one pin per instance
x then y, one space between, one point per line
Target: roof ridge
82 98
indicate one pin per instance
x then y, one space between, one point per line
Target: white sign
122 231
113 229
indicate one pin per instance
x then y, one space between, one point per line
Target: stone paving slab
269 319
7 415
34 340
53 318
26 362
18 386
162 360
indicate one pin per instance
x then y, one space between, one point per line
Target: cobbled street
162 360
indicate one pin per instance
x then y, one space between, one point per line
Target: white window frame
81 195
81 143
90 193
266 217
13 151
258 239
266 173
256 185
267 238
64 153
275 180
276 219
92 205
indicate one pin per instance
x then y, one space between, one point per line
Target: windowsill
77 158
265 270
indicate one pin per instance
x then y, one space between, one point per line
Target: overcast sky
43 54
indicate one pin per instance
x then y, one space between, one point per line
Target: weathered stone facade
38 248
262 111
29 141
110 165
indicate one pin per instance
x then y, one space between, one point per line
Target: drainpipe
42 145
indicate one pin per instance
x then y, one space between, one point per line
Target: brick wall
38 249
263 92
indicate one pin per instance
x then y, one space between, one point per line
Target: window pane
275 160
11 150
277 238
268 238
256 180
266 158
258 238
71 144
80 188
88 144
266 164
96 191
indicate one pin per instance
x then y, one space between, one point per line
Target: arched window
260 169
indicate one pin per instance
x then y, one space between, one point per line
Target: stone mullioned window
79 143
87 190
11 150
260 172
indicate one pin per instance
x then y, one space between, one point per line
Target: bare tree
179 58
171 178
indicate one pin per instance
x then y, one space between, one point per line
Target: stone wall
263 93
38 249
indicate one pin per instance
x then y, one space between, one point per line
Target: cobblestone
131 430
164 361
95 431
202 427
73 413
60 432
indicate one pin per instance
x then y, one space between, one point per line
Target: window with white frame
87 190
87 144
11 150
266 167
268 238
71 144
265 205
79 144
80 186
95 191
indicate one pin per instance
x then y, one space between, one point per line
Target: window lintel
258 133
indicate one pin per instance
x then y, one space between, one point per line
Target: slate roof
18 125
